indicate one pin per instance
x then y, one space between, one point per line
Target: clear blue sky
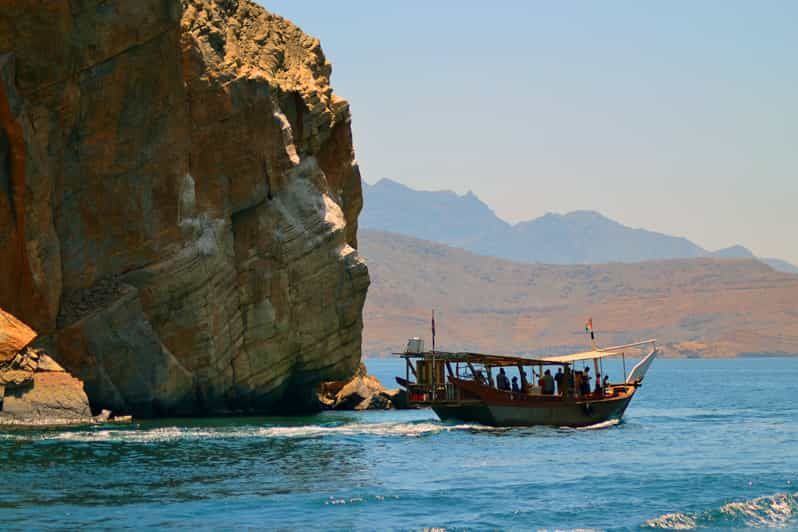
677 116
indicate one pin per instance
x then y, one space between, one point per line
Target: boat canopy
576 357
615 351
479 358
507 360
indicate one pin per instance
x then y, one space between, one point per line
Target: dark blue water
706 443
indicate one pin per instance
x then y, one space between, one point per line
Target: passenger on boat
548 383
559 381
606 382
516 388
586 381
569 381
480 377
502 382
598 390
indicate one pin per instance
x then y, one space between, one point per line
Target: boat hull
474 402
571 414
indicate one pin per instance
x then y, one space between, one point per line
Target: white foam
674 521
375 429
412 430
763 511
769 511
603 425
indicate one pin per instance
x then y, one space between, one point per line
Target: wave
780 510
166 434
603 425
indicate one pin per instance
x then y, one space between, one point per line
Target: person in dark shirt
598 389
559 381
516 388
569 381
548 383
502 382
586 381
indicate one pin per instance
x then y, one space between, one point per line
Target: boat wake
603 425
373 429
771 511
166 434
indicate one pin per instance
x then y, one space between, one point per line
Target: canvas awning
575 357
507 360
590 355
477 358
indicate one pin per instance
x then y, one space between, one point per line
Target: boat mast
623 357
432 373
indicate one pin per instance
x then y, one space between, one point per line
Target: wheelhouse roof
507 360
479 358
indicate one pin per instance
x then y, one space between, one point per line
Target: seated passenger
548 383
480 377
606 382
516 388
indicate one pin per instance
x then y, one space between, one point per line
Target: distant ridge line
578 237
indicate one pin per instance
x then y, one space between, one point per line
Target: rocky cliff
178 202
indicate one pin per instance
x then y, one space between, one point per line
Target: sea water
704 444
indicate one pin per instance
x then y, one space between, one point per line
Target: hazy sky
675 116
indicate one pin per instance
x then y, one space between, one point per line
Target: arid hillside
694 307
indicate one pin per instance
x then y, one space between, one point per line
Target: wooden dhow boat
470 387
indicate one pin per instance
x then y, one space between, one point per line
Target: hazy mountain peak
386 182
442 215
734 252
578 237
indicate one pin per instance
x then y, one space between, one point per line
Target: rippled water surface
705 444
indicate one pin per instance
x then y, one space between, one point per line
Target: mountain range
579 237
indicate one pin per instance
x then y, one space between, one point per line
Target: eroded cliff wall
178 202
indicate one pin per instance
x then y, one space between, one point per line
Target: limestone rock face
178 203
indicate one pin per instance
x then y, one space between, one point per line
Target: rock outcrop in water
34 389
178 203
361 392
